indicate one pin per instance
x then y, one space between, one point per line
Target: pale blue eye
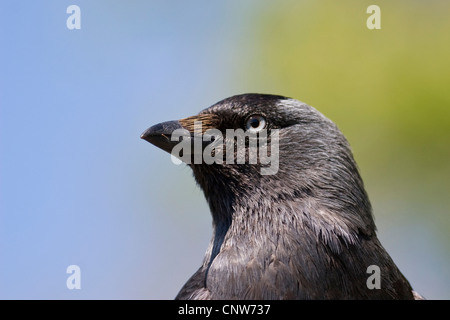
256 123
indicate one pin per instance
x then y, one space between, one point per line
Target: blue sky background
78 186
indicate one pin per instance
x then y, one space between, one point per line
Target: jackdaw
304 230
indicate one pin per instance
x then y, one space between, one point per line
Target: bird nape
291 217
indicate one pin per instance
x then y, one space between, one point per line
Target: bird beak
161 133
184 139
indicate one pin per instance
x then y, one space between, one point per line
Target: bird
303 231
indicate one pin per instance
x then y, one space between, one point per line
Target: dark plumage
306 232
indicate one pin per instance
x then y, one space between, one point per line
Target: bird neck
246 209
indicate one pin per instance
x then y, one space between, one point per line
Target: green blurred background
78 186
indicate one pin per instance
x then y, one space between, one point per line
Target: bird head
306 161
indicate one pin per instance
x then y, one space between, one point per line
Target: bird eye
255 123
